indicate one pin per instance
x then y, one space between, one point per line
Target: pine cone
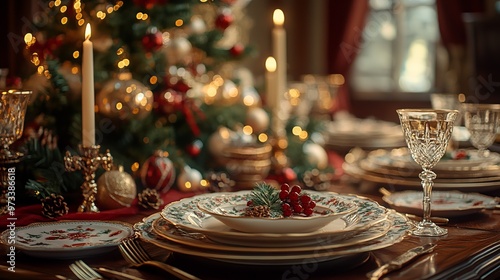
149 198
220 182
259 211
54 206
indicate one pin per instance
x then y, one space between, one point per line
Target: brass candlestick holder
88 161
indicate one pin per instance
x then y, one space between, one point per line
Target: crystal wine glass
13 104
482 121
427 133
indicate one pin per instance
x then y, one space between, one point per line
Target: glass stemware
482 121
449 101
427 133
13 104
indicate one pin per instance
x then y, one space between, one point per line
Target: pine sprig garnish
265 195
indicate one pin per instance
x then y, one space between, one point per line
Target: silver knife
398 262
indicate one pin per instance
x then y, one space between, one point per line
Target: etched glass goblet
13 104
482 121
427 133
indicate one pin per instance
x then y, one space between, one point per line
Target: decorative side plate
444 204
230 210
68 239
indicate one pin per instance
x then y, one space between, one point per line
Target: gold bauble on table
115 189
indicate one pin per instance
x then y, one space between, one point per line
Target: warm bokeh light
263 137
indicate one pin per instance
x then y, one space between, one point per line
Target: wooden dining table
470 250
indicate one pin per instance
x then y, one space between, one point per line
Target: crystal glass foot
482 121
427 133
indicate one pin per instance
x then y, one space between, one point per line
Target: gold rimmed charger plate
397 232
167 231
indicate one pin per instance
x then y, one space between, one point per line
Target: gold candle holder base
88 161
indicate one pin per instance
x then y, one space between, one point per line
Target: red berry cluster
294 202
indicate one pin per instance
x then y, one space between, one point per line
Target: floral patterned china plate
185 215
230 209
444 204
68 239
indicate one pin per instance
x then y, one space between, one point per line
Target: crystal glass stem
426 227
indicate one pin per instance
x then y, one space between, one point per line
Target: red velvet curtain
346 22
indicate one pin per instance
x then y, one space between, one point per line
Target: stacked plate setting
346 133
183 227
396 167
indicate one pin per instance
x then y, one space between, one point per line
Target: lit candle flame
271 64
278 17
87 32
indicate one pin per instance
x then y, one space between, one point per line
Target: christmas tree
167 77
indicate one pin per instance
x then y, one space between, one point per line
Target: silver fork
134 253
84 272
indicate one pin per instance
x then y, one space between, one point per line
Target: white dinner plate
443 203
185 215
68 239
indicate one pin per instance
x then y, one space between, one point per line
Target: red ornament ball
224 20
289 174
153 40
237 50
158 172
194 148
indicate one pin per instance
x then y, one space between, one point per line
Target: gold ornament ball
124 98
115 189
189 180
316 155
258 119
218 142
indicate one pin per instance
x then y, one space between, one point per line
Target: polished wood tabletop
470 249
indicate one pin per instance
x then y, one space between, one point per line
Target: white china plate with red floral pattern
67 239
230 209
444 203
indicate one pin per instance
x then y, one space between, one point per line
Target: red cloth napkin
33 213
